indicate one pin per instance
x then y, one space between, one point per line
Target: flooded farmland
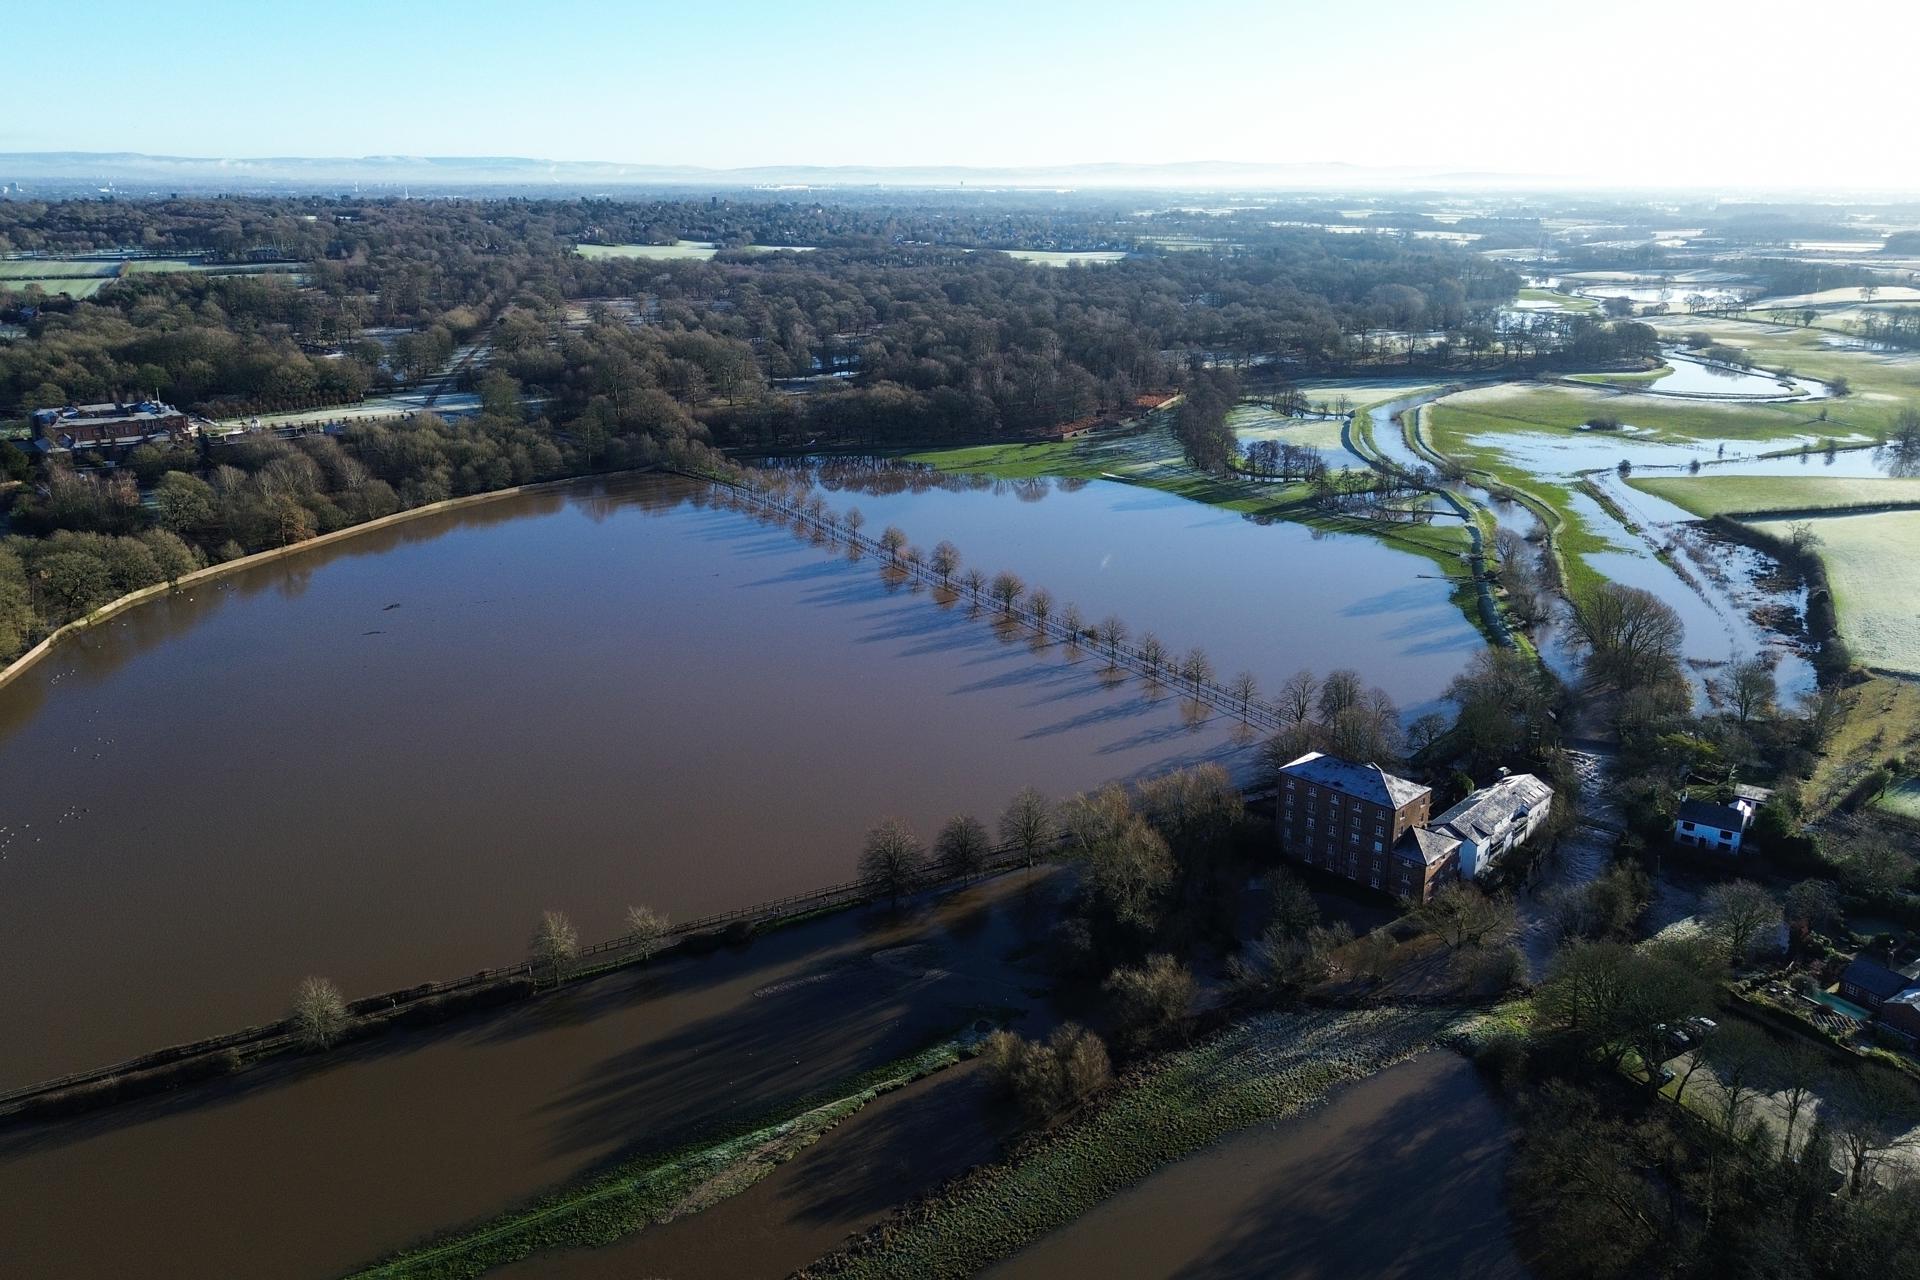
302 1171
381 761
1399 1175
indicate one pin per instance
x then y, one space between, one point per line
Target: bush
1151 1001
1048 1076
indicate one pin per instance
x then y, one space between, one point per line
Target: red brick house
1363 823
100 426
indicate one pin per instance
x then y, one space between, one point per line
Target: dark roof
1424 845
1874 978
1708 814
1362 781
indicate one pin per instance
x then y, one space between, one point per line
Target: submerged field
678 251
1873 564
1149 456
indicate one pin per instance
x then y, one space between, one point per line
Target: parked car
1703 1027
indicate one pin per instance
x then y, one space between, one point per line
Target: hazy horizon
1641 95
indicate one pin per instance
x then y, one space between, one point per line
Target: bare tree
1040 605
853 520
1006 590
892 860
1113 634
1196 669
1738 913
892 539
946 558
1634 634
1340 690
319 1013
1028 824
1243 687
974 583
1153 653
646 929
555 942
1074 623
1750 689
961 847
1296 700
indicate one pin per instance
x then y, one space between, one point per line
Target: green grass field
1622 379
1902 799
679 251
1534 407
1873 565
1718 495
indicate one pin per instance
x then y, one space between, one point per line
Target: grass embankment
1748 495
1621 379
1443 430
1261 1069
660 1186
1879 718
1873 568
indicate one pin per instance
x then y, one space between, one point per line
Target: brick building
101 426
1363 823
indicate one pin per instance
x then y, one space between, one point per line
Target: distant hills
139 173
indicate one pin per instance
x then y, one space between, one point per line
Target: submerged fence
1118 652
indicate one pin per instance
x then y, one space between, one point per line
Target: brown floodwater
1399 1175
310 1172
380 761
899 1147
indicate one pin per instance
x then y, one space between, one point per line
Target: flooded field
1399 1175
1695 377
584 702
1269 599
303 1172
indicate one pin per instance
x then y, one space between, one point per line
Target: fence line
1250 710
274 1037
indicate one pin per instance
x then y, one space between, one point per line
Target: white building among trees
1494 819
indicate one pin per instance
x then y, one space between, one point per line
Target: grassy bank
1262 1069
1873 567
659 1186
1724 495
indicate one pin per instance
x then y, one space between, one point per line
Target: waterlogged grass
652 1188
678 251
1065 257
1262 1069
1013 461
1622 379
1560 301
1873 566
1528 407
1717 495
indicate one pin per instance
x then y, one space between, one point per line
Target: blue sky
1609 89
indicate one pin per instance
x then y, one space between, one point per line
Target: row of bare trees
1011 598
